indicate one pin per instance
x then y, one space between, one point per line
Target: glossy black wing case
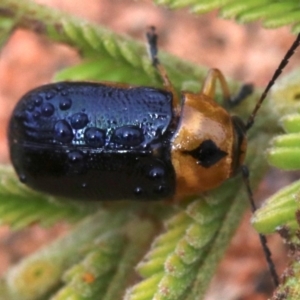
94 141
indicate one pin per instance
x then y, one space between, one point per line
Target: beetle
112 141
105 141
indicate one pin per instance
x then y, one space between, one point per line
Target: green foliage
41 272
20 206
279 210
284 151
289 289
272 13
99 255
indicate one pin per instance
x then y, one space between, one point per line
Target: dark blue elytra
94 141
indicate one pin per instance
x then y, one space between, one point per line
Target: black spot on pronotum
207 154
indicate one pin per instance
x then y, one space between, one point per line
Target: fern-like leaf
102 272
280 209
41 272
272 13
20 206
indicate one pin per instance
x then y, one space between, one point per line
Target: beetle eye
207 154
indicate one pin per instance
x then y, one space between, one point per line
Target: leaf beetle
112 141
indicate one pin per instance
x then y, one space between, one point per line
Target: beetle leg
263 240
209 88
153 50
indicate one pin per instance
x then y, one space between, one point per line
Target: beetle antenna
153 51
152 43
276 74
263 239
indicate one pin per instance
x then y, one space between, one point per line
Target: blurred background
246 53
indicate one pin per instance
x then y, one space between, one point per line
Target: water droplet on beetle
22 178
79 120
50 95
65 103
94 137
37 100
161 189
47 110
63 131
138 191
128 136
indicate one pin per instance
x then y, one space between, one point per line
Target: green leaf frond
284 149
103 50
182 259
107 268
41 272
289 289
279 210
272 13
20 206
98 256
